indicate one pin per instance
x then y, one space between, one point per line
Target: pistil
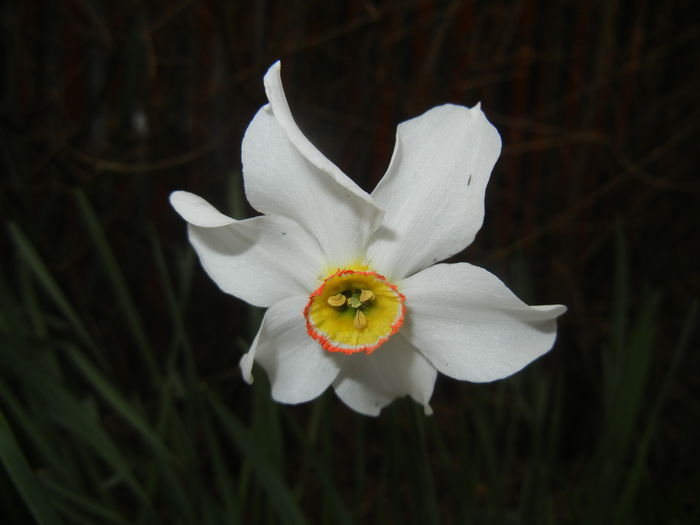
354 302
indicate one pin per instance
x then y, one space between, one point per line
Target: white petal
470 326
285 174
367 383
298 368
260 260
433 191
195 210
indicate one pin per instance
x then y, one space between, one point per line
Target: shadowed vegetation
121 400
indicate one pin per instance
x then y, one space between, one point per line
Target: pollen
336 300
354 311
360 321
366 295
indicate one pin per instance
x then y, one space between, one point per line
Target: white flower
355 297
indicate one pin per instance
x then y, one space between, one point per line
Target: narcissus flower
355 298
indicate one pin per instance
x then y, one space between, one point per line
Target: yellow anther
360 321
366 295
336 300
354 302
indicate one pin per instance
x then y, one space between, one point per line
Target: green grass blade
105 515
340 511
24 479
118 283
634 478
114 398
29 255
279 495
167 463
429 502
225 484
60 406
636 363
179 329
28 423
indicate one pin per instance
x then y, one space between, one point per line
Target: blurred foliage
120 395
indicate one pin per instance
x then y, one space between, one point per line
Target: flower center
354 311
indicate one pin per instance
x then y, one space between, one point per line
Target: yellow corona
354 311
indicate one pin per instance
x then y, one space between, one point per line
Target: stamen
366 295
354 311
360 321
336 300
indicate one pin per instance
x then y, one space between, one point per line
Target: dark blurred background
107 107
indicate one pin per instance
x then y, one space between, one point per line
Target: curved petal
367 383
433 191
285 174
260 260
470 326
195 210
298 368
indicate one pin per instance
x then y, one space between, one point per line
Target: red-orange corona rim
354 311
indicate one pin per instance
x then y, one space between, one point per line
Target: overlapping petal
470 326
433 191
260 260
285 174
460 320
298 368
367 383
198 212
